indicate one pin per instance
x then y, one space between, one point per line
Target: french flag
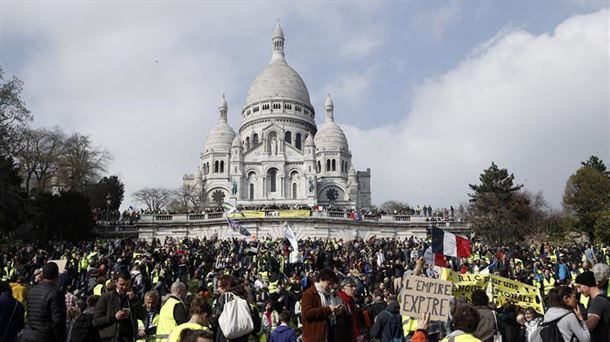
449 244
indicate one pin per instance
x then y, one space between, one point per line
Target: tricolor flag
289 234
437 259
449 244
238 228
356 216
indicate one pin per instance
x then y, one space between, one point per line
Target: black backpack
549 332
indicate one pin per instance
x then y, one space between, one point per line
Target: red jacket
314 316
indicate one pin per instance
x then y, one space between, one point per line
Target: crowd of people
261 290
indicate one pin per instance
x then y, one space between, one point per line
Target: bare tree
391 206
155 199
14 115
38 153
81 163
185 198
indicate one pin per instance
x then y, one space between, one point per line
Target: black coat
82 329
388 324
46 314
105 310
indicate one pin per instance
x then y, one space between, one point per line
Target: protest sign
499 289
422 295
61 264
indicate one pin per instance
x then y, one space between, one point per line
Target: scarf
350 306
326 298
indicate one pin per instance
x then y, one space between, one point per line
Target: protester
174 311
82 329
189 335
598 310
201 311
284 333
565 313
465 320
487 327
388 323
148 327
349 323
11 314
228 287
317 308
46 311
532 323
117 312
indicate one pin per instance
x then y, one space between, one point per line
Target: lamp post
107 214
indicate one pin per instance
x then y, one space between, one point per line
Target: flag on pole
230 210
449 244
289 234
238 228
436 259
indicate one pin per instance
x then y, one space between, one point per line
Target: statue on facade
311 184
233 187
273 146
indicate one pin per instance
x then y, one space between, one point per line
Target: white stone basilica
279 155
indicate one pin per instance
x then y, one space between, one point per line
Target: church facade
279 155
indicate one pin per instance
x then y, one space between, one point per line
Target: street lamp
107 213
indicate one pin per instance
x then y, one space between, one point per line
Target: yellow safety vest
584 300
141 326
174 336
273 286
97 290
409 325
461 338
83 264
548 284
155 277
166 318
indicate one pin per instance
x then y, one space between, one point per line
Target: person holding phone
117 312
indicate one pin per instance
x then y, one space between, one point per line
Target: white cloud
438 20
537 105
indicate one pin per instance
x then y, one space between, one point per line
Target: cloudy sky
428 93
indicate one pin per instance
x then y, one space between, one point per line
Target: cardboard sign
61 264
500 290
421 295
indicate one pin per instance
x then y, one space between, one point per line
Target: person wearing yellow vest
173 312
465 318
19 290
147 328
99 288
200 314
548 282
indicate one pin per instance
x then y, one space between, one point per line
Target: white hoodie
568 325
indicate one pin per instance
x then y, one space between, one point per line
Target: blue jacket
10 307
283 333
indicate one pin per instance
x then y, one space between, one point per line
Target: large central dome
278 79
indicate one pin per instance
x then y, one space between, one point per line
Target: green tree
14 115
107 186
14 203
497 206
595 163
64 216
586 194
602 227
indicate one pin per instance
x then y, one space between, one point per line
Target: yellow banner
499 289
274 213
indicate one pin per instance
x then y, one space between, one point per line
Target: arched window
251 194
247 143
319 169
272 175
277 106
266 106
222 166
294 191
288 137
216 166
327 164
297 141
334 165
254 139
207 167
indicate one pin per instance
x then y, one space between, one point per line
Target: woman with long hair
563 310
